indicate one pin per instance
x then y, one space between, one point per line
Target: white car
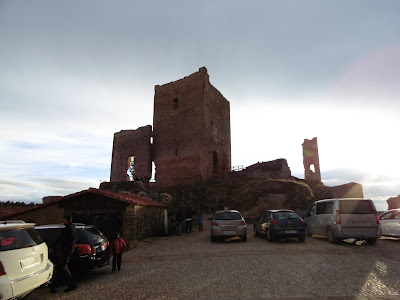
24 263
390 223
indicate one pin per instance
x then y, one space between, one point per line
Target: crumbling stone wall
191 131
393 202
275 169
311 160
348 190
129 143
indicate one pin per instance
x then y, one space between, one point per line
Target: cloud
73 73
35 188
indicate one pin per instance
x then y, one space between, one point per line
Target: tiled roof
125 197
5 211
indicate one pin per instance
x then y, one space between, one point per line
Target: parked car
91 250
340 219
280 223
390 223
228 223
24 263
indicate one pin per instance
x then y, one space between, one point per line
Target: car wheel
371 241
244 238
308 233
331 236
213 239
255 230
302 238
269 236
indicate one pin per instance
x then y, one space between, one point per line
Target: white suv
24 263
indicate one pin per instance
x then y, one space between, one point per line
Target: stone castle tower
191 138
311 160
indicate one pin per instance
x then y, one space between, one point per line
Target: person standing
179 218
118 246
67 243
189 219
200 222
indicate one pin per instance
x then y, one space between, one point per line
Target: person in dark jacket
189 214
66 249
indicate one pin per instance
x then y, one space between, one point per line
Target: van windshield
356 207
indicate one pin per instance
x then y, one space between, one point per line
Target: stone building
190 140
133 216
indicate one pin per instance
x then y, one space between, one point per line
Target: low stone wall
141 222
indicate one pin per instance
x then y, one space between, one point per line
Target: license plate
361 223
290 231
30 262
229 232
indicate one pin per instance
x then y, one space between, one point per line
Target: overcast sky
74 72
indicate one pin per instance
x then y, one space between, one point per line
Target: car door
390 224
395 224
385 220
265 222
311 219
257 224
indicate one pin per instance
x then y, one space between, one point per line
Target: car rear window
50 235
87 233
228 216
285 215
11 239
356 207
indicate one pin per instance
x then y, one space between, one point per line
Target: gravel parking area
191 267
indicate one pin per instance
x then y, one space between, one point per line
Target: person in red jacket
117 247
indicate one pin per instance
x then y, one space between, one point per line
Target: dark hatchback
91 250
274 224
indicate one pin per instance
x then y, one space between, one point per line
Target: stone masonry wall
149 221
311 158
278 168
128 231
129 143
141 222
218 132
187 135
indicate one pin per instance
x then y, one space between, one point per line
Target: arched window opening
130 172
153 172
312 168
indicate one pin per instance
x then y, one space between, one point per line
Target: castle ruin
190 140
311 160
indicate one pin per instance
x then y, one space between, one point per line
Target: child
117 247
200 221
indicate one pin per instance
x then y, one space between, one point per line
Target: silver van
345 218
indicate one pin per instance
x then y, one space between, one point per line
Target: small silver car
228 223
390 223
340 219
